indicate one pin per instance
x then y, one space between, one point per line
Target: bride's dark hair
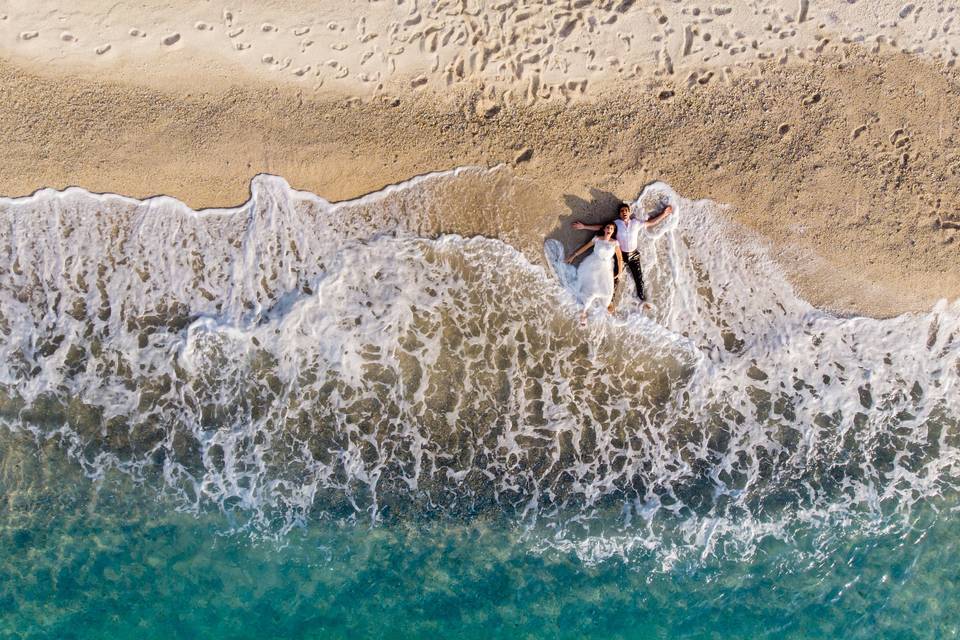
600 233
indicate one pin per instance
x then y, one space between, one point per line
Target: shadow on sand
601 207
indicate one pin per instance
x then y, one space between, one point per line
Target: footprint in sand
301 31
240 46
266 27
170 39
267 59
66 36
102 49
235 32
29 35
136 33
523 156
202 26
899 139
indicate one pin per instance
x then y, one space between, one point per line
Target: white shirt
627 234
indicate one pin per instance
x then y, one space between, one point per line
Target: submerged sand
846 160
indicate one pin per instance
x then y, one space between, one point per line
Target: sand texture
831 128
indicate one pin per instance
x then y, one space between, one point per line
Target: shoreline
826 190
540 261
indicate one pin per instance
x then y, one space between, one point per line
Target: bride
595 273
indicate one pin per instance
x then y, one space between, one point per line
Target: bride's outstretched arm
586 246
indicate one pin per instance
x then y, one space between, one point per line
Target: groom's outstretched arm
588 227
660 218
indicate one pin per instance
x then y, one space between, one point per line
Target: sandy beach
829 128
293 342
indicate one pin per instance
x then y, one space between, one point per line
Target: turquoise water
79 561
303 419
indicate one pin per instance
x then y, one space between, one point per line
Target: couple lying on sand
600 272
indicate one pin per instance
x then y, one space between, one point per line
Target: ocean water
299 419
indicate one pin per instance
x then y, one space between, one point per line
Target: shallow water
299 419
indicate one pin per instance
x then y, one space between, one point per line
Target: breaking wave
293 360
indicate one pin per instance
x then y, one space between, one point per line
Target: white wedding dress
595 275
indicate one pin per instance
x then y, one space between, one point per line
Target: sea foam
293 360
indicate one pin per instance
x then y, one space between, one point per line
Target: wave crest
293 360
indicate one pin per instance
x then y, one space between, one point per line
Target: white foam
289 360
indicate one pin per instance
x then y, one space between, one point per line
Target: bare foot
583 318
610 308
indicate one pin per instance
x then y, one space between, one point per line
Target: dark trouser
633 261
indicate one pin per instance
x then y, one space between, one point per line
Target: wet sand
846 159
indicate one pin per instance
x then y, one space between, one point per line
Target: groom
628 230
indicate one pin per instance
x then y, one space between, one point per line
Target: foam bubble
294 359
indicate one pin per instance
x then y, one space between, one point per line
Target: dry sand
830 127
